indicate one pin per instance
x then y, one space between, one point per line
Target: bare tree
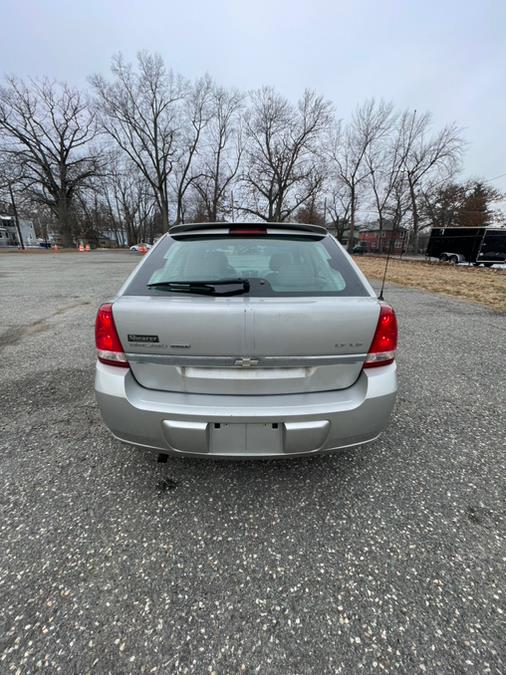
130 202
141 110
338 208
312 212
427 158
47 129
221 154
281 169
349 147
384 159
196 115
399 202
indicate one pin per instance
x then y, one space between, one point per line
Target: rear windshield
274 265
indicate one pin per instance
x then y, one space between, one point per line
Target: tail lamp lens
109 348
247 231
384 343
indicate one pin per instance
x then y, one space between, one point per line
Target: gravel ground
390 558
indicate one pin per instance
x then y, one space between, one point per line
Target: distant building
113 238
345 238
379 240
9 232
342 235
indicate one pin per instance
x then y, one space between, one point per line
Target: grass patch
476 284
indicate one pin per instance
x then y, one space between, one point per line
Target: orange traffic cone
56 248
88 249
81 248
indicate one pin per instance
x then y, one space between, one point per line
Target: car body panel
287 329
245 376
311 423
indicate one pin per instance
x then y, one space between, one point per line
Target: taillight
247 230
384 342
109 348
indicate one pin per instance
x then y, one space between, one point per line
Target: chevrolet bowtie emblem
246 362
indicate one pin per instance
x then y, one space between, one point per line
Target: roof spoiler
189 227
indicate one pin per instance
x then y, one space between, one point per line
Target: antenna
389 254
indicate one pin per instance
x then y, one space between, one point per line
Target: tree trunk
64 224
16 218
352 221
164 213
380 227
416 217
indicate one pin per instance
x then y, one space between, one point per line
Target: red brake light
248 230
109 348
384 342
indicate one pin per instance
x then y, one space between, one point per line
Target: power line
489 180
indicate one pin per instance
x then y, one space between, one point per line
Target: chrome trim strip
230 361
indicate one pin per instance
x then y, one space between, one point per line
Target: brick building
379 240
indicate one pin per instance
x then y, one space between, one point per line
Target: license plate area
239 439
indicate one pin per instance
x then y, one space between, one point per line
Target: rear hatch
305 324
246 345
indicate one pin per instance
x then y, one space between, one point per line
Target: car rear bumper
204 425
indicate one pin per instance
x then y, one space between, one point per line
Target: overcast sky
445 56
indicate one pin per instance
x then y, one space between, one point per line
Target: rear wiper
202 287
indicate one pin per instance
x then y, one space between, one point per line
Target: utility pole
16 218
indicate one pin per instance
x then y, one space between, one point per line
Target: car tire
454 259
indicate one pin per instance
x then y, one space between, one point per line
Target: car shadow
253 475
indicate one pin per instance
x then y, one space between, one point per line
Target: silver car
246 340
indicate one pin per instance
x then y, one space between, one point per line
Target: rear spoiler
225 228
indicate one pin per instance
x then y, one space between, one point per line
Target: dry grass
476 284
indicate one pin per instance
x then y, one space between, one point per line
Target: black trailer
476 245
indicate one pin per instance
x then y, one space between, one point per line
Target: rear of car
246 341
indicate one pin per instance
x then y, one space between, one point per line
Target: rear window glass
275 265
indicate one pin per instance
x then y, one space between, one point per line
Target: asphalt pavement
386 558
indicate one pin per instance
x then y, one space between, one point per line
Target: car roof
302 227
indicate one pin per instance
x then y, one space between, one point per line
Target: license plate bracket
250 439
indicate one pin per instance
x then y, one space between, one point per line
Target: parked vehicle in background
360 249
476 245
138 248
246 340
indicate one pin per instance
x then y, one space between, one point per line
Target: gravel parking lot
390 557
